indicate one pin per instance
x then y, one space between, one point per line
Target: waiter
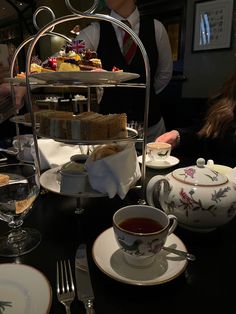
112 47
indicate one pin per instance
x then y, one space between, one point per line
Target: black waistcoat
129 100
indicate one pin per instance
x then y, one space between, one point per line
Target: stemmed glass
19 187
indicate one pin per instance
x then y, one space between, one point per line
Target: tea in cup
158 151
141 232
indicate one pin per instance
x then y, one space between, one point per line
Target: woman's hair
221 115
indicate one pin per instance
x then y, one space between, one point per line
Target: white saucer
24 290
51 181
162 164
109 259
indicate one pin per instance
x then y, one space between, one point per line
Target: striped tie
129 46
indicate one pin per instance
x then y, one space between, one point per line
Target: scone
4 179
105 151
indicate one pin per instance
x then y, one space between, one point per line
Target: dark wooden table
207 283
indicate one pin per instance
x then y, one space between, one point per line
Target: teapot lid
199 175
72 167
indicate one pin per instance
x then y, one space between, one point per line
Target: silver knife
83 281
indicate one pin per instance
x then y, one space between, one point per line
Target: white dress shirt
91 36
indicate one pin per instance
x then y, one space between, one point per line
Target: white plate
109 259
132 133
25 289
22 80
50 180
86 76
21 120
169 162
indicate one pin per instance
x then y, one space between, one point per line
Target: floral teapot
200 197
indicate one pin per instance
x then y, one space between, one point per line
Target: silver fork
65 284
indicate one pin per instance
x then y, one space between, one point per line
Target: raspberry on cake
116 69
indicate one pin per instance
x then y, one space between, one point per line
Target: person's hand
5 89
171 137
20 92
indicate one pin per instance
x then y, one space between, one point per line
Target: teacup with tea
158 151
141 232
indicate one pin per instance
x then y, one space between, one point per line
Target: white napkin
53 154
115 174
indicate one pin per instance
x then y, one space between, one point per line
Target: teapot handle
161 184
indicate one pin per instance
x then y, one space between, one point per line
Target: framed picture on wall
212 25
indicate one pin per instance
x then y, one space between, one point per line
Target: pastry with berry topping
37 66
4 179
75 57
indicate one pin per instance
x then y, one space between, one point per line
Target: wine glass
19 187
